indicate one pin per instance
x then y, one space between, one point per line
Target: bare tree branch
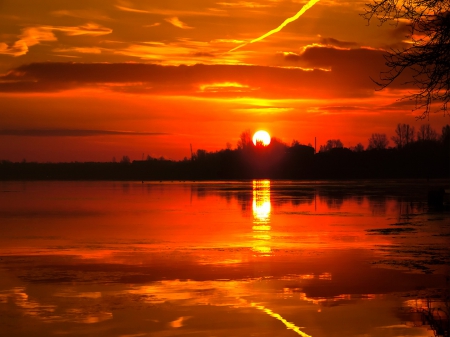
427 57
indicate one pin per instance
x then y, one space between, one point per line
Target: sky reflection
255 258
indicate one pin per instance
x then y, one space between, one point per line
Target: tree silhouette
445 136
357 148
125 160
378 141
245 140
331 144
426 132
404 135
428 53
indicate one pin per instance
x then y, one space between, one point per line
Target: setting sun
262 137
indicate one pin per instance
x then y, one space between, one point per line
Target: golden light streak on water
261 217
289 325
261 204
280 27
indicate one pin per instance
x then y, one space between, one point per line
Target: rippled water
254 258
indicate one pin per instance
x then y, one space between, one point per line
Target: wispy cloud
82 50
128 9
182 51
243 4
82 14
75 133
32 36
177 23
91 29
156 24
180 9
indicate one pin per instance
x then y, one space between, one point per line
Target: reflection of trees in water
300 201
359 199
407 200
296 197
244 199
437 317
432 311
201 191
377 204
333 199
407 208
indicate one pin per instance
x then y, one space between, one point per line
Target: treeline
417 157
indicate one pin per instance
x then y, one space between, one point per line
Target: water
255 258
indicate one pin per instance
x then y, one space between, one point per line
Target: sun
261 137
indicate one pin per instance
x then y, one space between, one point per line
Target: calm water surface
254 258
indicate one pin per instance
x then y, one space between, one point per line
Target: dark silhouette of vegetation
404 134
425 157
331 144
425 61
378 141
426 133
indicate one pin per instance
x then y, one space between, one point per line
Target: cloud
82 50
226 41
82 14
177 23
336 43
353 61
182 8
128 9
32 36
156 24
183 51
75 133
319 72
203 54
91 29
243 4
154 78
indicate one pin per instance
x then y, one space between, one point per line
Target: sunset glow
97 82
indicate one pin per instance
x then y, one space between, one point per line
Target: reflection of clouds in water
52 313
236 293
178 323
181 305
30 307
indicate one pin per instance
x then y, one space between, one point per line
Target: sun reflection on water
261 217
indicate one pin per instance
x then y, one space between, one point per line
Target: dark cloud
352 62
401 31
75 133
188 80
329 41
203 54
292 57
319 72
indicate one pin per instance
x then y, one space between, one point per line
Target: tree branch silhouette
428 54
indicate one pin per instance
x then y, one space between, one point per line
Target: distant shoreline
423 161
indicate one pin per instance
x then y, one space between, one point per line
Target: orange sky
89 81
